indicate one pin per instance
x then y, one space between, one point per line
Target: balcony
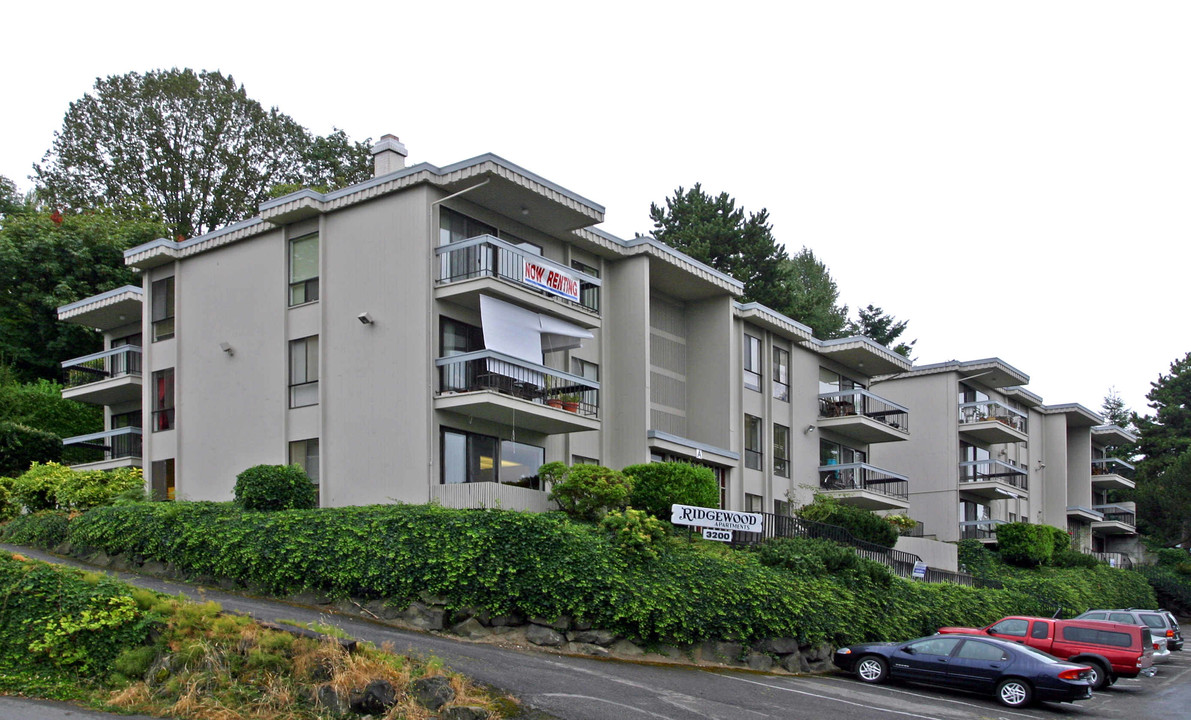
514 392
1117 521
865 486
863 416
990 422
982 530
486 263
993 479
104 378
1112 474
120 448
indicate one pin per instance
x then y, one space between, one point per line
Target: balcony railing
487 256
986 410
115 444
123 360
862 402
1116 513
993 471
862 476
1114 559
1112 466
979 529
507 375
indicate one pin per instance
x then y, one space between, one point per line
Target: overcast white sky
1011 177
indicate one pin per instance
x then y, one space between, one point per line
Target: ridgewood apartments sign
712 518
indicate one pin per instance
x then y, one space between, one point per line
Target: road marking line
944 699
825 697
589 697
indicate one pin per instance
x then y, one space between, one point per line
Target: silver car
1157 621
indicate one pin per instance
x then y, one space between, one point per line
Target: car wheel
1015 693
1099 678
872 669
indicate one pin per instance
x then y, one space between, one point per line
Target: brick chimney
388 155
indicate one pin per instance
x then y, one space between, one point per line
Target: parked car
1112 650
1016 675
1160 622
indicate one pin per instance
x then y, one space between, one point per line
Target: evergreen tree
874 323
812 296
1163 477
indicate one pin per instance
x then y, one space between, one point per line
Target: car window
1153 621
934 646
1093 616
1039 631
976 650
1122 618
1097 637
1038 654
1012 626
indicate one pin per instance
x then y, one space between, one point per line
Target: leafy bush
9 507
587 491
65 620
1171 556
863 524
268 488
36 489
657 486
40 405
21 446
46 529
82 490
1025 544
1073 559
1173 589
635 530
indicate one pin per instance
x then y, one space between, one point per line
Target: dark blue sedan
1016 674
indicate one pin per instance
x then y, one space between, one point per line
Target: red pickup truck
1112 650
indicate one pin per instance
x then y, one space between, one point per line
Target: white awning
524 334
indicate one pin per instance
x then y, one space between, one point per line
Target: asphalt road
591 689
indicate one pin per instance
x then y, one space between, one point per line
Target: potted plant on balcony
570 402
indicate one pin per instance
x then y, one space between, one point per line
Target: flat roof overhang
105 311
515 412
867 499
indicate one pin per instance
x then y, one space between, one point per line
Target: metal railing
979 529
1117 560
1116 513
487 256
985 410
123 360
899 562
115 444
862 476
993 470
846 403
507 375
1112 466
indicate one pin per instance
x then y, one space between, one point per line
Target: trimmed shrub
587 492
1060 539
21 446
36 489
657 486
1073 559
1173 589
1025 544
863 524
635 530
268 488
83 490
46 529
9 507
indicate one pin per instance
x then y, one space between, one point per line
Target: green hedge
544 564
657 486
62 620
275 487
863 525
46 529
1172 587
1025 544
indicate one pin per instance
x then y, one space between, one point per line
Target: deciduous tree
192 145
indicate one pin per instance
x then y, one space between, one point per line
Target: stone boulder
432 692
471 629
464 712
375 699
424 617
542 635
594 637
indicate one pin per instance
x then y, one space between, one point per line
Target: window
933 646
1040 631
588 371
303 269
580 460
782 508
303 372
457 338
455 227
128 419
1097 637
163 400
752 442
781 374
1013 626
589 295
976 650
304 453
163 479
752 362
471 457
162 300
781 445
754 503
